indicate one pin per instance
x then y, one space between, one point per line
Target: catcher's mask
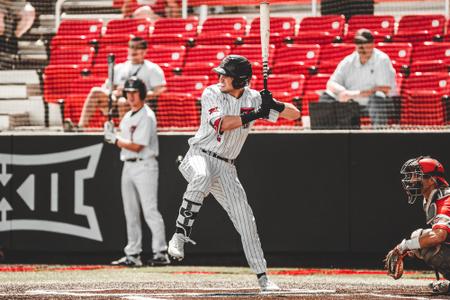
417 169
238 67
135 84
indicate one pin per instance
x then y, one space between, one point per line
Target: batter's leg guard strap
186 216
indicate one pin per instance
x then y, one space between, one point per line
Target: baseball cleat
176 245
128 261
266 285
439 287
159 259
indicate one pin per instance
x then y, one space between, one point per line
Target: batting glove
108 132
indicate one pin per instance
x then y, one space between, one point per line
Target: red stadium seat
72 55
119 32
423 108
177 111
429 66
221 31
100 67
280 29
314 85
207 53
399 53
447 32
320 30
203 56
79 89
382 27
430 57
253 54
432 81
172 55
193 85
331 55
431 51
296 59
58 81
76 33
420 28
291 84
174 31
199 69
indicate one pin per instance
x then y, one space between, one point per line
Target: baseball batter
229 108
424 178
139 143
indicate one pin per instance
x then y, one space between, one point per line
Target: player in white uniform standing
139 143
229 108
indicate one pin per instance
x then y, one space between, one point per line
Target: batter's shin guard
186 216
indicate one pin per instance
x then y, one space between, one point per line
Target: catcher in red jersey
423 177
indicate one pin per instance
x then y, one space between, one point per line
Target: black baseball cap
363 36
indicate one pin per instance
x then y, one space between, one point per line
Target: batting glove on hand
268 101
108 132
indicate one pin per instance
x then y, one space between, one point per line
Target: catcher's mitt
393 263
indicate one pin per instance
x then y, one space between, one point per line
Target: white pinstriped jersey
215 105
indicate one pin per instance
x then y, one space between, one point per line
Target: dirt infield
103 282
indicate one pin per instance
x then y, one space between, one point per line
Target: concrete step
36 46
34 107
104 17
47 21
13 91
39 31
19 76
11 121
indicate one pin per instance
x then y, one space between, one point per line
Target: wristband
278 106
412 244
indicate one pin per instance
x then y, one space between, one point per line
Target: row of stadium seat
418 90
66 64
317 30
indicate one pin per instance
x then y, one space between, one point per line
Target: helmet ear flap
239 83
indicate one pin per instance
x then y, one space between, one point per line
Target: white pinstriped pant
140 189
206 174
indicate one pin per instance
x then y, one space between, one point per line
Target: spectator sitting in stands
136 65
16 17
367 77
142 9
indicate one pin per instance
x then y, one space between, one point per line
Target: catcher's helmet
135 84
238 67
415 169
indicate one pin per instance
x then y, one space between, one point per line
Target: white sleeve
211 109
157 77
143 131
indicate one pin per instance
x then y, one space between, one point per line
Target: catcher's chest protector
430 207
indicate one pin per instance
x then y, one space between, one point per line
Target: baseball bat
111 60
264 13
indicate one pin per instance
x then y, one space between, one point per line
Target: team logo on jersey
246 110
132 130
45 192
213 110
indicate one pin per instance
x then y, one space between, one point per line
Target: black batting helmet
237 67
135 84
